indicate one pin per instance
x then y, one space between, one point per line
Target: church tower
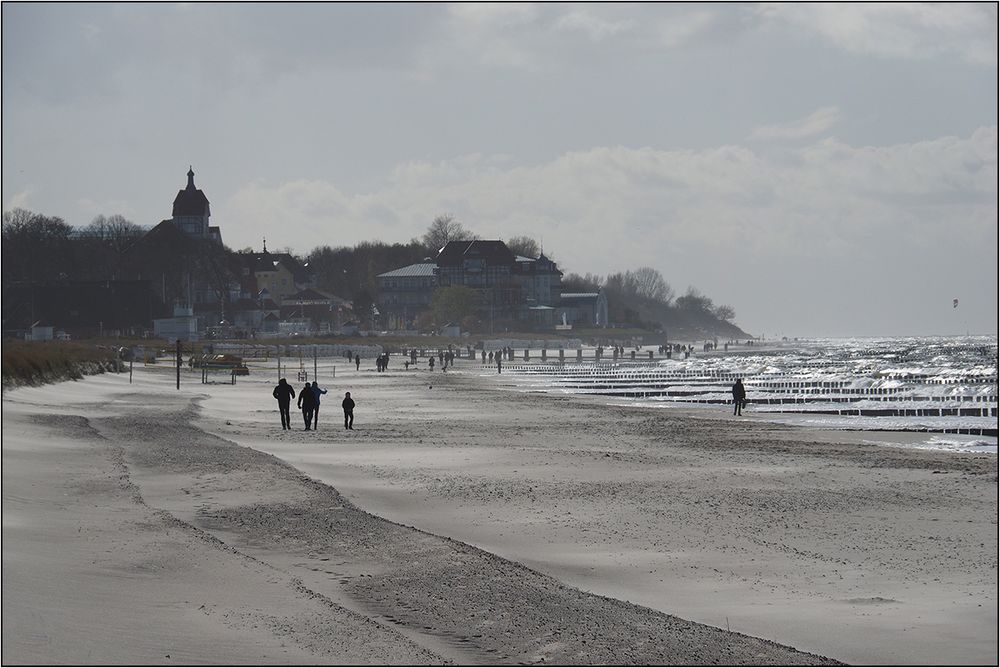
191 212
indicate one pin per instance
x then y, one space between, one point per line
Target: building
273 275
192 211
540 280
323 313
541 287
487 267
183 326
523 291
406 292
582 309
41 331
184 259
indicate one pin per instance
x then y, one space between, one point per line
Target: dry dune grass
40 362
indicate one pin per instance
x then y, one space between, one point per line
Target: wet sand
521 528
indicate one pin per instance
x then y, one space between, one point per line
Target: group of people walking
308 403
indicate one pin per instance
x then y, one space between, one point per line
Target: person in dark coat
348 405
284 393
357 362
317 391
739 397
307 402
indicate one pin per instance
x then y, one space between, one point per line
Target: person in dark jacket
284 393
357 362
348 405
316 390
307 402
739 397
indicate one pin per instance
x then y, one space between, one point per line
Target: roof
570 298
308 295
191 201
266 261
413 270
494 252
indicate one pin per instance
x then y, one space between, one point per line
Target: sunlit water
945 387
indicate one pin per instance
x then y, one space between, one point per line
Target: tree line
40 248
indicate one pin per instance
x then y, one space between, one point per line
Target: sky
824 169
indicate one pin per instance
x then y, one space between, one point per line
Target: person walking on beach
348 405
284 393
430 362
316 392
307 402
357 362
739 397
499 362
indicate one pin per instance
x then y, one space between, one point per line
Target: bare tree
725 313
587 283
443 229
648 283
116 231
524 246
693 300
35 246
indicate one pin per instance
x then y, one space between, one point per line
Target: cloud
821 221
492 15
679 29
724 201
91 207
545 37
815 123
19 200
913 31
595 28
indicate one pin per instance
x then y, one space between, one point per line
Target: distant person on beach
284 393
357 362
739 397
307 402
499 363
348 405
316 390
430 362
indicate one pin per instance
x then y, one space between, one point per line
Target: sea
940 390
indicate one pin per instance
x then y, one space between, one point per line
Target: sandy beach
466 521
